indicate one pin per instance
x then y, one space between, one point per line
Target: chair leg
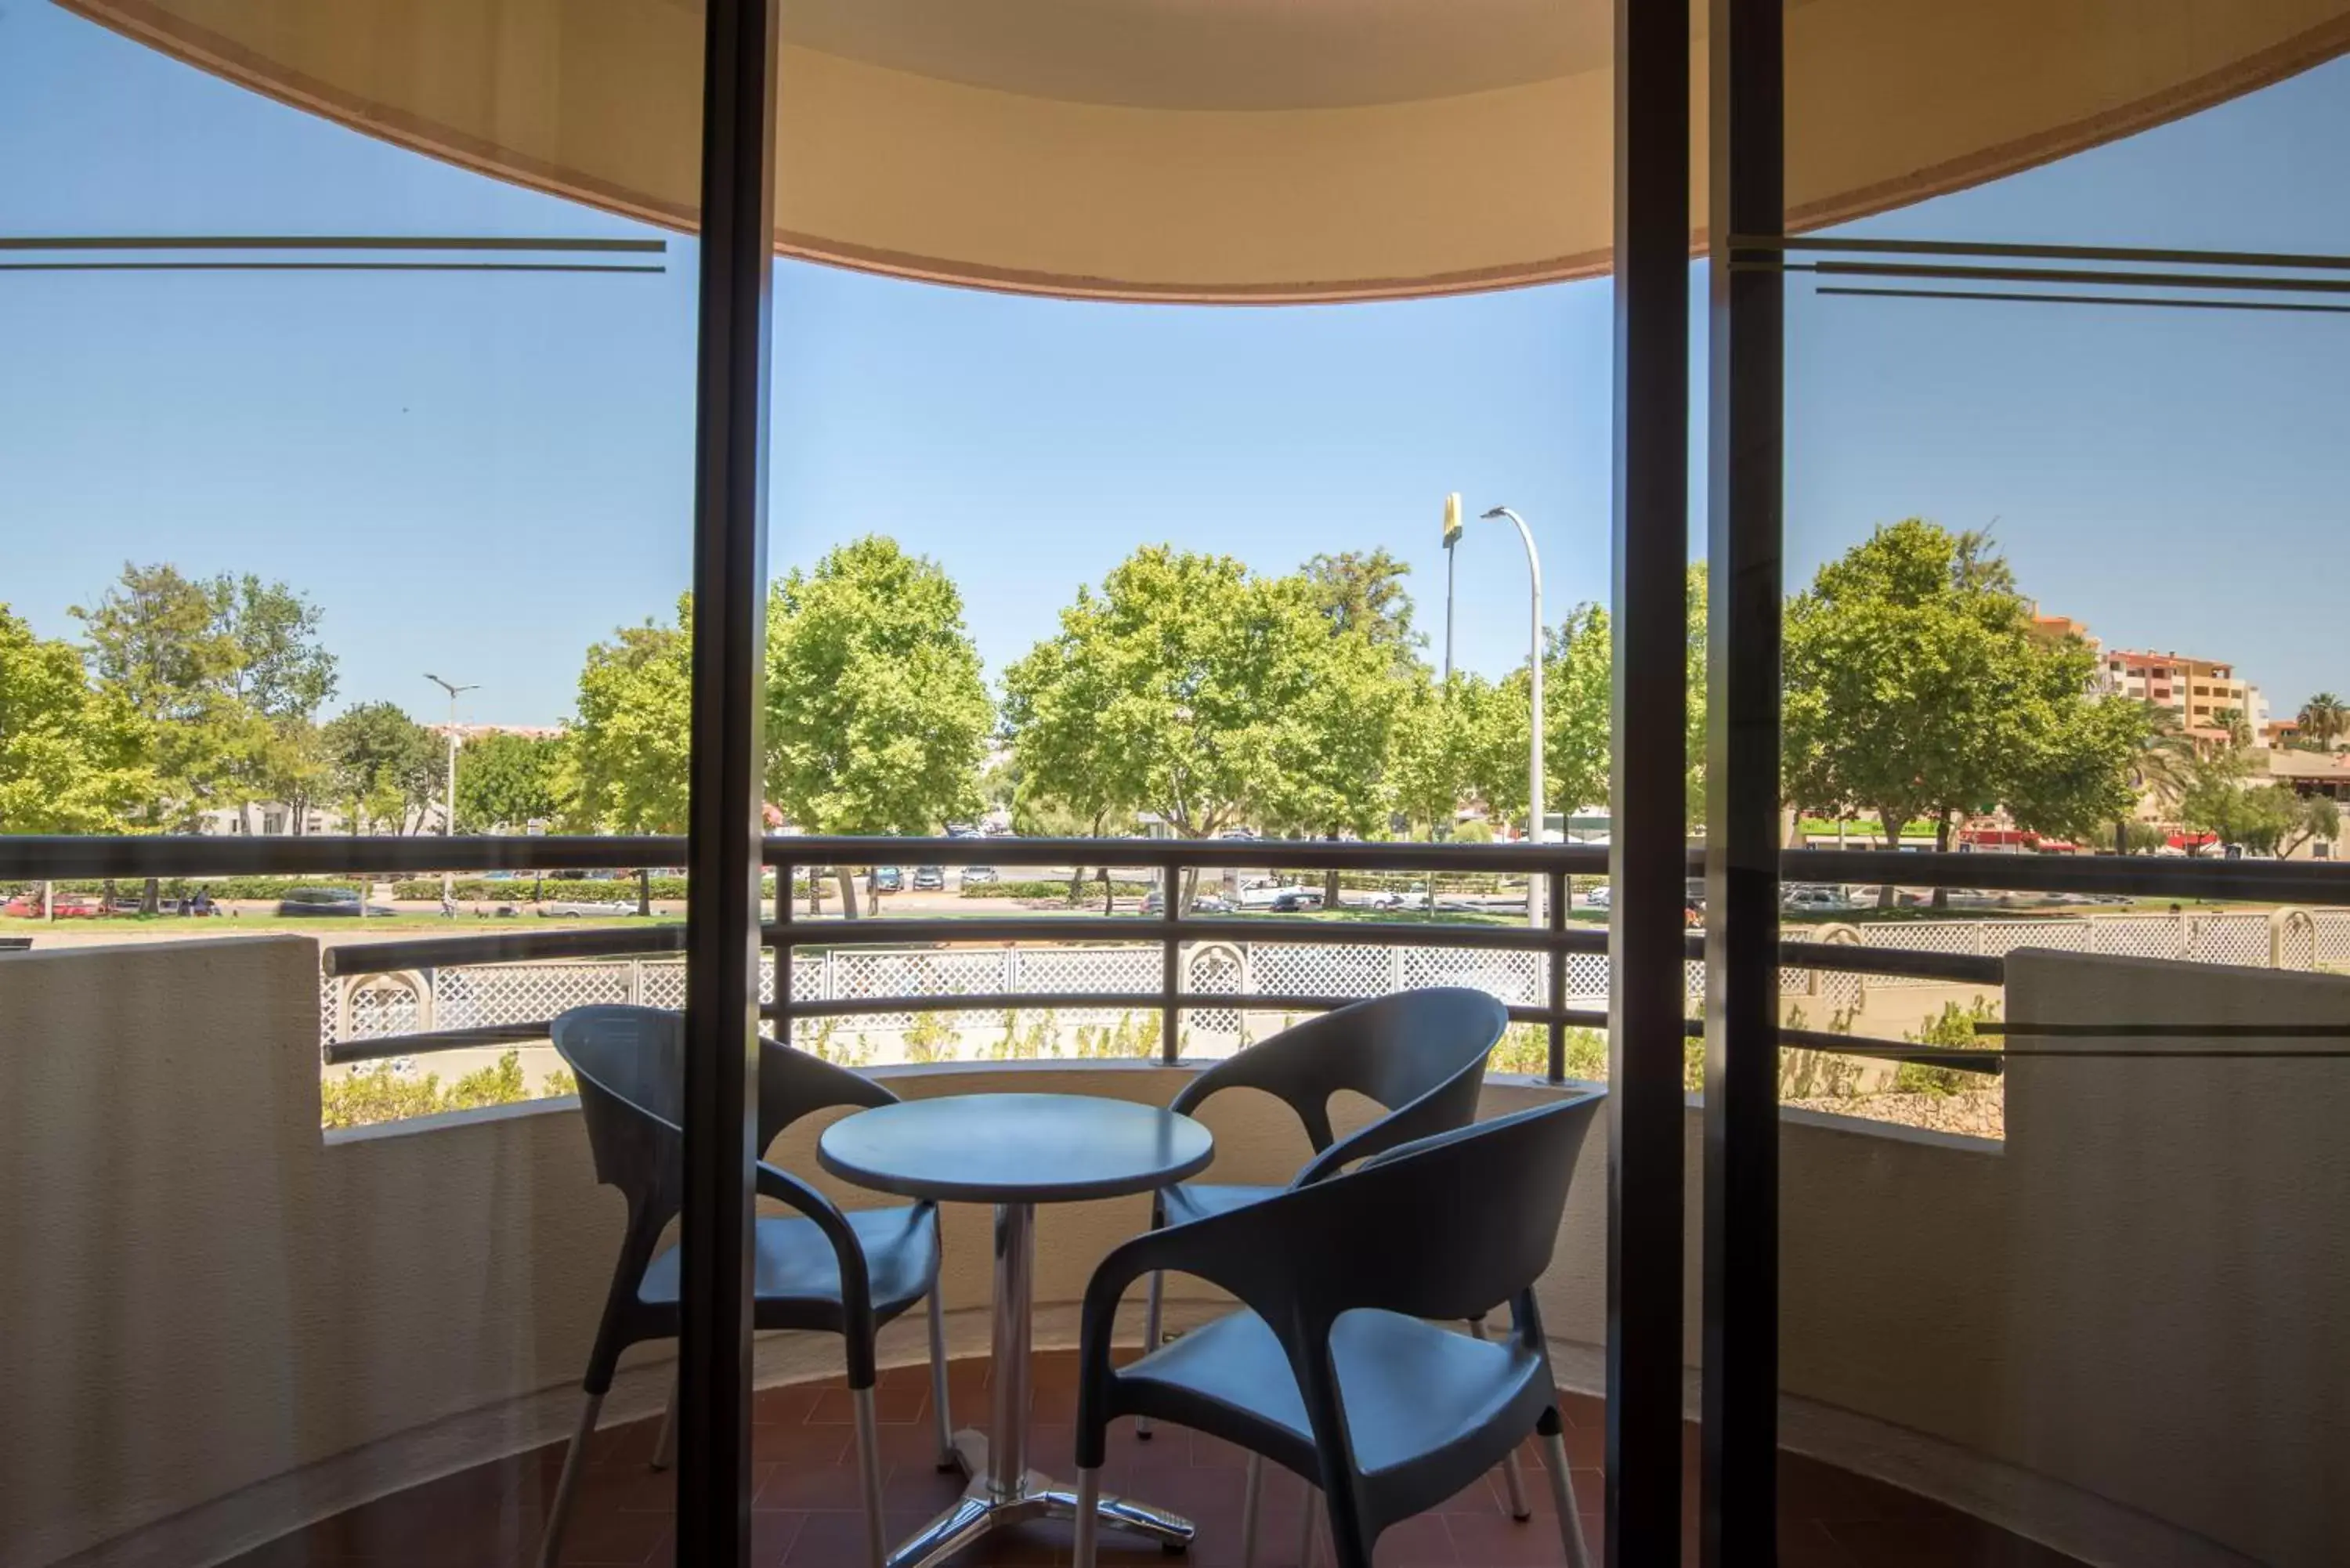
574 1459
1151 1303
941 1417
1514 1481
1562 1497
1089 1520
869 1476
1251 1498
665 1450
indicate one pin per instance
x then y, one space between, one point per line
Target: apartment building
2205 693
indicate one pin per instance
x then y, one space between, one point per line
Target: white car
1599 897
590 908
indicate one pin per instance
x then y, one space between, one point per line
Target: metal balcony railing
1170 931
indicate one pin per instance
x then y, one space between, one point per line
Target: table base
983 1506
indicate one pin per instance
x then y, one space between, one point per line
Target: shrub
378 1094
1125 1041
931 1037
1056 888
1953 1029
1525 1048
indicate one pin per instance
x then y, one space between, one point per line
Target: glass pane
2057 412
348 395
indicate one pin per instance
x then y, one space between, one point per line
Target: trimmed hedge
174 888
1058 888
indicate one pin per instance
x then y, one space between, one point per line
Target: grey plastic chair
844 1272
1329 1370
1419 1055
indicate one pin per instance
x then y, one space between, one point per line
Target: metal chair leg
665 1450
1151 1303
868 1477
1562 1497
1089 1520
1514 1481
1250 1499
574 1459
940 1418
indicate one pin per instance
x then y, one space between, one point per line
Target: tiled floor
803 1513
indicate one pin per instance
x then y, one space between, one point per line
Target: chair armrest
1200 1249
856 1287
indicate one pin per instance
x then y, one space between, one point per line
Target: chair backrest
631 1063
1445 1227
792 1084
1421 1054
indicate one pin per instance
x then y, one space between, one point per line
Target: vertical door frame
1745 461
724 826
1647 856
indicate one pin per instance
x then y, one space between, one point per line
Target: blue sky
479 474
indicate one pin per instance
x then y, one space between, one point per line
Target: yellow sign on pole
1451 517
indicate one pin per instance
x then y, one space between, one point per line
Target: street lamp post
1534 748
449 800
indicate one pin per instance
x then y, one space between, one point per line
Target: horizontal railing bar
499 947
1158 854
35 857
2249 881
2059 274
1912 963
328 267
1153 930
381 1047
64 857
2149 302
1983 1061
327 242
1822 243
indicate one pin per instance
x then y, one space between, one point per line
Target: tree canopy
71 755
878 716
1916 686
386 767
508 782
630 740
1191 689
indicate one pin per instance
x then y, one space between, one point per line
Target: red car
66 907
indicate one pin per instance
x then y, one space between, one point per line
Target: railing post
1170 963
1556 962
786 1023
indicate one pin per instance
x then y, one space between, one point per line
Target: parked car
327 902
974 876
1419 898
1155 903
65 906
1296 901
1800 898
560 908
888 879
1599 897
929 878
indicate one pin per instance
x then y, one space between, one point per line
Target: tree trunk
872 891
1330 889
849 908
1109 893
815 894
1891 820
150 901
644 891
1077 885
1943 847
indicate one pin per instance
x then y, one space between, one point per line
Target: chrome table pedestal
1004 1490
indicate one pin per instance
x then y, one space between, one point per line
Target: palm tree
2324 720
2163 766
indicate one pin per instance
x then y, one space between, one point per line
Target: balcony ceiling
1220 149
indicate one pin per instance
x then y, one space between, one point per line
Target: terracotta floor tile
805 1504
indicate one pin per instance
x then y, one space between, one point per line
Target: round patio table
1016 1151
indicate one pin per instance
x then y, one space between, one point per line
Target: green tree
507 781
877 715
2217 800
1916 688
2162 763
386 767
2324 720
631 736
1363 591
2307 816
1189 688
1444 742
71 757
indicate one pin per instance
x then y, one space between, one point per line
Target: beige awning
1220 149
